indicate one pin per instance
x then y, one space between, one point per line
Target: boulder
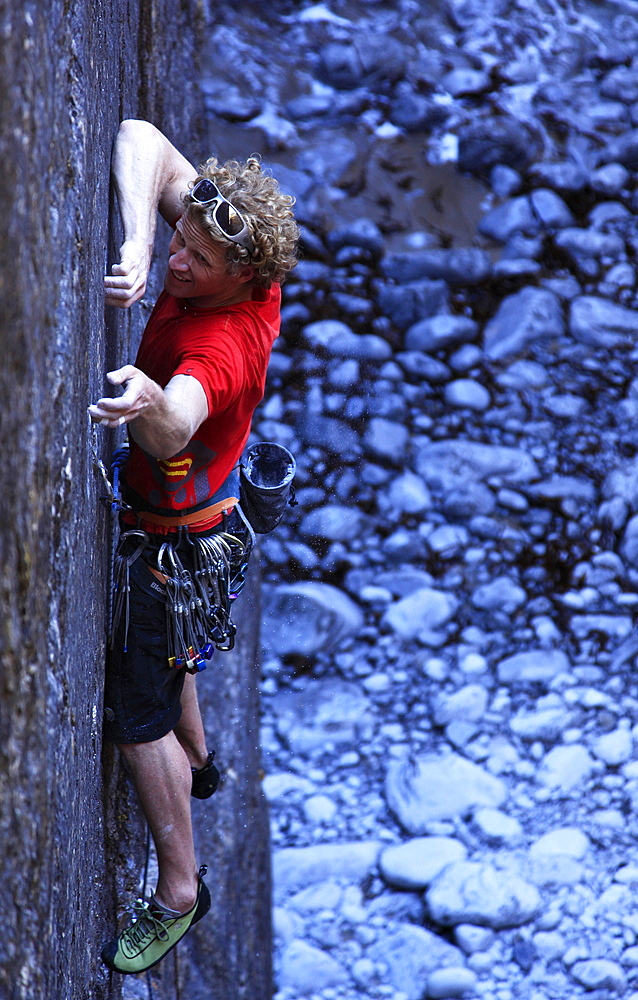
470 892
411 955
525 317
598 322
449 464
432 787
487 142
324 713
304 618
415 863
297 868
423 610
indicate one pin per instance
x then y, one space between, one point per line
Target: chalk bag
266 476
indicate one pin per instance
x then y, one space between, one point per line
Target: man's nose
179 259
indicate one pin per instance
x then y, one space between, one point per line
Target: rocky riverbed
450 711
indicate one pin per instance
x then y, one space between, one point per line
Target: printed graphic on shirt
172 474
176 468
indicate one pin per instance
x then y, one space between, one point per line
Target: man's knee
140 749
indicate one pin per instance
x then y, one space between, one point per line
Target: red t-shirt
227 350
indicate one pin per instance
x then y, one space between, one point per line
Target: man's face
197 269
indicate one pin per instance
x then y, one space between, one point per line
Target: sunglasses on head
228 220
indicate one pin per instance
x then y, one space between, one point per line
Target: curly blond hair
266 210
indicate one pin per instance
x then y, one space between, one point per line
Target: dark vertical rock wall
68 72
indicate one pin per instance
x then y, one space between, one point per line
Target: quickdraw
113 497
112 500
198 596
120 586
198 601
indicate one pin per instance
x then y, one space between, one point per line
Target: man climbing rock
188 402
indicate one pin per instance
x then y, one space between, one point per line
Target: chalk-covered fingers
127 281
140 392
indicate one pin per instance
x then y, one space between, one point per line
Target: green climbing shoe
153 933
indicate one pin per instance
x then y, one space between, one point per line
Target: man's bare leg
190 729
162 775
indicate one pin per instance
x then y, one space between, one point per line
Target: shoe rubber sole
109 951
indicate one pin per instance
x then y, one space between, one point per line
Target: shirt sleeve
218 365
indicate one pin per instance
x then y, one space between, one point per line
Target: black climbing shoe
205 779
153 933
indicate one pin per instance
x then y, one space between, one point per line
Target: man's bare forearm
149 174
164 428
146 167
162 421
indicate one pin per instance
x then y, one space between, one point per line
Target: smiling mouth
177 276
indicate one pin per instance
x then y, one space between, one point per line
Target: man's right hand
127 283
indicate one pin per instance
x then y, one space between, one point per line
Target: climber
188 402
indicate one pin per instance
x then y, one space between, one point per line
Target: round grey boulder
304 618
469 892
422 789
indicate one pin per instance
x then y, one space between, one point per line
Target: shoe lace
146 924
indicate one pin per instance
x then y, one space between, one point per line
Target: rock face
68 73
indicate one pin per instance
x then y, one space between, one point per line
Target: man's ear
245 273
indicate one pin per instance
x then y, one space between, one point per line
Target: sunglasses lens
228 220
204 191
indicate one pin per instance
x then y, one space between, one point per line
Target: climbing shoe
205 779
153 933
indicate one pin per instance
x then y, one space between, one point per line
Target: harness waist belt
199 516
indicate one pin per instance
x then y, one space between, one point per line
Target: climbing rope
144 891
149 982
112 500
178 992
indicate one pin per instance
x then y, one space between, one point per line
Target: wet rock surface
71 831
450 708
70 839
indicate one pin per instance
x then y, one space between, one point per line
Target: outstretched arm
162 420
149 173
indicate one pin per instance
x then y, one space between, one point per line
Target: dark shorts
142 693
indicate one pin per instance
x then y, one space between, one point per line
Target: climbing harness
202 574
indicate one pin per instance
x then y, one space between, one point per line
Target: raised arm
149 174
